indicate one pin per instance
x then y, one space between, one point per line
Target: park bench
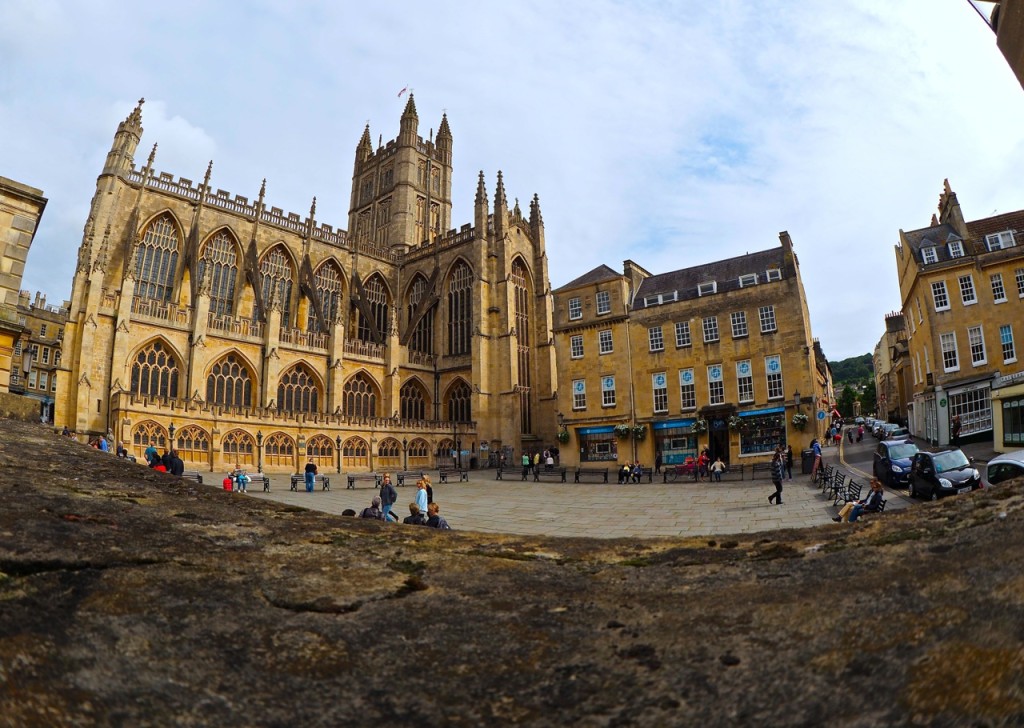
510 470
445 473
760 469
298 479
553 474
354 478
412 475
596 473
851 492
193 475
262 479
838 486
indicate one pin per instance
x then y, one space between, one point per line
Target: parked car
892 462
882 433
859 421
900 433
937 474
1004 467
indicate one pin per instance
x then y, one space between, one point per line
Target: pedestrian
860 433
151 456
526 467
388 496
789 462
956 430
777 472
177 465
421 495
426 487
435 519
310 476
374 510
816 448
657 462
536 461
717 468
549 462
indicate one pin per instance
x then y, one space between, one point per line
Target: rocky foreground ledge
129 597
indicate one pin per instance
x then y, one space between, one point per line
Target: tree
846 400
869 399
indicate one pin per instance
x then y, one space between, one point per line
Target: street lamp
170 431
405 453
259 451
796 399
455 444
337 449
561 421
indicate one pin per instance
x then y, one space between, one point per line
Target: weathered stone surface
128 597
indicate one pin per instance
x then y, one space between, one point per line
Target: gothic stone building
238 333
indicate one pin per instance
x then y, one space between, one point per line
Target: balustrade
161 312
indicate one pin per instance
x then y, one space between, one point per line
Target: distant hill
854 369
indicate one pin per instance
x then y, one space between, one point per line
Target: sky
669 133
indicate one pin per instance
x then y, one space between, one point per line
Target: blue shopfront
674 440
597 443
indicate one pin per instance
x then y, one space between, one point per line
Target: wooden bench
595 473
264 479
412 475
762 469
553 474
508 470
354 478
445 473
193 475
297 478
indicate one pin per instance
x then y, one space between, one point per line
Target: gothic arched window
279 451
355 454
276 273
145 434
413 401
192 444
155 372
320 449
298 391
460 405
419 453
329 288
376 295
521 291
422 339
359 397
157 260
238 447
229 383
221 255
460 309
389 454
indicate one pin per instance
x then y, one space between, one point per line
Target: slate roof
1010 221
726 273
939 236
600 273
936 236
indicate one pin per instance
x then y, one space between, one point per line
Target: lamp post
405 453
455 444
337 449
259 451
170 431
796 400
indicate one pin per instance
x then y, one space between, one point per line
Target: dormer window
706 289
750 279
660 298
1000 240
773 274
956 249
928 255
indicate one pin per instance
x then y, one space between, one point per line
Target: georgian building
891 367
718 355
962 290
261 338
38 351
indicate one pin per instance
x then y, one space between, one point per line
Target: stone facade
39 352
21 208
718 355
267 338
962 290
892 369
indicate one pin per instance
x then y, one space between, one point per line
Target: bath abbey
238 333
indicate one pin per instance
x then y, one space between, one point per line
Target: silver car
1004 467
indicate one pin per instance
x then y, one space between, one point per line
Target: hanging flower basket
699 426
639 432
737 423
622 431
563 436
799 420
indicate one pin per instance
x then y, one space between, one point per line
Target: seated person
436 520
374 511
415 517
625 473
853 510
637 472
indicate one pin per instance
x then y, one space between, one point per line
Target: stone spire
409 125
364 150
480 207
122 151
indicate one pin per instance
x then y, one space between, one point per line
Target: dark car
892 462
937 474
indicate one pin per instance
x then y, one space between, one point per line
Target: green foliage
869 399
846 400
856 369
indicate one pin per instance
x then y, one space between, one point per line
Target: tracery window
521 292
221 256
192 444
238 447
422 339
329 288
376 296
413 401
460 309
320 449
359 397
276 272
389 455
155 372
279 451
355 454
229 383
145 434
418 453
460 405
298 391
157 260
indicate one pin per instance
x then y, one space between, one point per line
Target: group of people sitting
422 512
631 473
237 481
169 462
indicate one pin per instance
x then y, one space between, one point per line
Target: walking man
777 473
